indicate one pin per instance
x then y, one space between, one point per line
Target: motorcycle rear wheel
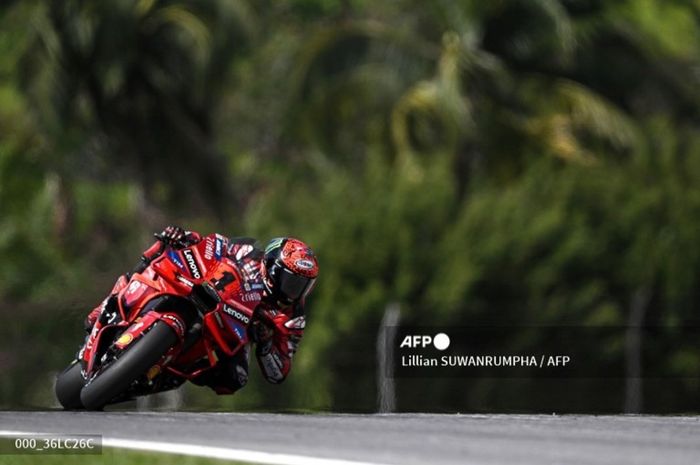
68 385
138 357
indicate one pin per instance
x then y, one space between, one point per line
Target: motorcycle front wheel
69 383
138 357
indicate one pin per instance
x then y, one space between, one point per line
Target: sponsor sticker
251 297
185 281
238 329
209 248
172 255
218 247
125 339
236 314
304 264
192 264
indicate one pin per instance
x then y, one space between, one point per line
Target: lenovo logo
236 314
192 264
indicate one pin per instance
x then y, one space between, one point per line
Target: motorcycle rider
284 272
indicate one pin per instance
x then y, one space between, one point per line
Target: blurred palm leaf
579 118
138 75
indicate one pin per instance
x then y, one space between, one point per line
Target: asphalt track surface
399 438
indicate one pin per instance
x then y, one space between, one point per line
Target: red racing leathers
276 331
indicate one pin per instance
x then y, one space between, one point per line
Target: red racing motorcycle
163 328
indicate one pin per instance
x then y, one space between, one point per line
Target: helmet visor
293 286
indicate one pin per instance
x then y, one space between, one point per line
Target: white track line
243 455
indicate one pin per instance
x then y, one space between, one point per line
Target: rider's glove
280 331
172 235
294 332
262 332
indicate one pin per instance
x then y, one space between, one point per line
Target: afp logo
440 341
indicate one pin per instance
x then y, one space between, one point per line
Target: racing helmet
290 269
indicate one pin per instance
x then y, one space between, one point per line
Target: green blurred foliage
526 162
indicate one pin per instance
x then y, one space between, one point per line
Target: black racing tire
68 386
138 357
